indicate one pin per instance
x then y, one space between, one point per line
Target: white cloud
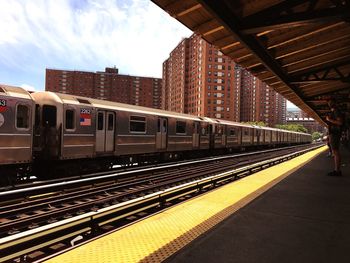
291 105
136 36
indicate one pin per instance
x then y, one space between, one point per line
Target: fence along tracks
41 221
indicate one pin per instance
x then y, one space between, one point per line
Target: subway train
51 134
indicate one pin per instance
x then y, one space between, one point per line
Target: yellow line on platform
158 237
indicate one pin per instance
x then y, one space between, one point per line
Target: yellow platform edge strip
160 236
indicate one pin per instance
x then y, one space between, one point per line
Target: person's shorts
334 141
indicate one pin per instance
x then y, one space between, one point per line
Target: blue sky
136 36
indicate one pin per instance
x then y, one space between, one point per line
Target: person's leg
334 142
337 160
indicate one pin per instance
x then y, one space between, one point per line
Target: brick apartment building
309 123
107 85
298 116
198 79
259 102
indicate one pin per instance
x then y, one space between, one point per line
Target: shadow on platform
304 218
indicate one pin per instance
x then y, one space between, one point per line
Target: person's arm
338 121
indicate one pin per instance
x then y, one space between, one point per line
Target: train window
232 132
180 127
22 119
219 130
246 132
49 115
70 119
158 125
204 130
165 126
100 120
195 127
137 124
37 115
110 121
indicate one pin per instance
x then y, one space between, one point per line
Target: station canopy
301 49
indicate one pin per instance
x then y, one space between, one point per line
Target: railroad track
96 202
26 188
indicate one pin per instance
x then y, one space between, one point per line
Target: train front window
70 119
49 116
22 117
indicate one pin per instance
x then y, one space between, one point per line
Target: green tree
257 123
292 127
316 135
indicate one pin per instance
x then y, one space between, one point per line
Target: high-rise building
198 79
107 85
260 103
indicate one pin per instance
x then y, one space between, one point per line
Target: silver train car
55 134
77 130
17 109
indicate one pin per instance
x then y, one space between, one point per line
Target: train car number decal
85 117
3 105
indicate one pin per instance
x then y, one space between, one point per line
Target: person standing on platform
329 147
335 123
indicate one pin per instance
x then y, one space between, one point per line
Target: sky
136 36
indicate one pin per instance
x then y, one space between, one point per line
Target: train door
110 131
105 131
223 135
195 137
211 136
49 132
100 131
162 131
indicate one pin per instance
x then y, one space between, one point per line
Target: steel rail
42 187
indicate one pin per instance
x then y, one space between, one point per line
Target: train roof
105 104
250 125
12 91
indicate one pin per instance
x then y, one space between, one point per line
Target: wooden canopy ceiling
299 48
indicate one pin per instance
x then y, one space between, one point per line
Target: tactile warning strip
158 237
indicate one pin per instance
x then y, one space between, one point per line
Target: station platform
291 212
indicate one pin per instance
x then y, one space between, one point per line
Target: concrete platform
304 218
286 213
